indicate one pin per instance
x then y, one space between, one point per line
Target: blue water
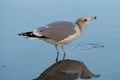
22 59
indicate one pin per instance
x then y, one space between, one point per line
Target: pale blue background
22 59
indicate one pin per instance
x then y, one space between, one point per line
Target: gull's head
84 21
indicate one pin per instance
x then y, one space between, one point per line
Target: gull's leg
57 53
62 46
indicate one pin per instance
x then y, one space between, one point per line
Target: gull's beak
93 18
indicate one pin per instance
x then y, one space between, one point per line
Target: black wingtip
25 34
19 34
22 34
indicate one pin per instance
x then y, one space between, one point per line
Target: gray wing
56 30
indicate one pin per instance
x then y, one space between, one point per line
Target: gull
67 70
59 32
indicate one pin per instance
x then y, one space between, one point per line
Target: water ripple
83 47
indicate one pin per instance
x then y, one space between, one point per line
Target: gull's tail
30 35
27 34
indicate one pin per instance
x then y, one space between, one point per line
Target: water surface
22 59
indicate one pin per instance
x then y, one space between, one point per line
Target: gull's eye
85 20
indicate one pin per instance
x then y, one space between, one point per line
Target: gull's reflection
66 70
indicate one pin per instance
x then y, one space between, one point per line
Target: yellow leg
62 46
57 53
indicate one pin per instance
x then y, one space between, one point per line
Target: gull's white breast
72 37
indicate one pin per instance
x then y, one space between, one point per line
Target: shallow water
22 59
